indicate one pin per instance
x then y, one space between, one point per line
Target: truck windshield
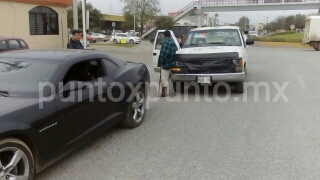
213 37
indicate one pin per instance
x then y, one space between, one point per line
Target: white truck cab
311 32
208 55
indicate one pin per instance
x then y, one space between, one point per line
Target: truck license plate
204 80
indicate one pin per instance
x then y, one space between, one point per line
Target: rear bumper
226 77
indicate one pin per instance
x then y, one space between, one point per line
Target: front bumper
225 77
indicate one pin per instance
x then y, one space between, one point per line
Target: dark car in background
40 122
12 44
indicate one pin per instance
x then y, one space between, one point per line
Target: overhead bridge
238 5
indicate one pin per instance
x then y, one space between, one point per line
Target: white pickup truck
311 32
209 55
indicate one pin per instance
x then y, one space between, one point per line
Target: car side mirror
250 41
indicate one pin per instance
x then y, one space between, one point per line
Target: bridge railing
232 2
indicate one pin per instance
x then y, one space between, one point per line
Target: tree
299 21
95 16
145 10
243 22
164 22
128 23
288 21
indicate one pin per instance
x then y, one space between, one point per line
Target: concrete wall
14 18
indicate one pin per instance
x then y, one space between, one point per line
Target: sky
115 6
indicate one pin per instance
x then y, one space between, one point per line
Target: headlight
238 64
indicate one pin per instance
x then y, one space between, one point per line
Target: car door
82 112
159 40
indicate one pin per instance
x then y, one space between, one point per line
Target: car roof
50 54
216 27
8 38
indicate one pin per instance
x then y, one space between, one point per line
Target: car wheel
100 40
151 41
131 42
16 160
115 41
136 110
177 86
239 87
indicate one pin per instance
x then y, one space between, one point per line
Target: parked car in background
12 44
87 43
128 38
90 38
99 37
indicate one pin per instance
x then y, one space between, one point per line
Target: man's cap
167 33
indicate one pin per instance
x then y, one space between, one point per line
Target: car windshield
24 76
213 37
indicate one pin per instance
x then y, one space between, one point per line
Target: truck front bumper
225 77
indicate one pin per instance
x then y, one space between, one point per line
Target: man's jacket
74 45
168 50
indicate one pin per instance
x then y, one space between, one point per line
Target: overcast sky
115 6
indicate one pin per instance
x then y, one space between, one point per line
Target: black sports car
52 102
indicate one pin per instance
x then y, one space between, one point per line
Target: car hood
10 104
211 49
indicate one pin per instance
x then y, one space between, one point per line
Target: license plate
204 80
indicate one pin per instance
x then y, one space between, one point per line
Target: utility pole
75 14
245 23
134 17
84 24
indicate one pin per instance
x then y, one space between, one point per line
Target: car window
25 75
13 44
3 46
111 67
160 40
213 37
23 44
84 71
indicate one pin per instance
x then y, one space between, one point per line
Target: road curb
279 45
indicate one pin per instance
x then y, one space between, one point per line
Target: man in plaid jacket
165 60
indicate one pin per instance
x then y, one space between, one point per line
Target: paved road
215 140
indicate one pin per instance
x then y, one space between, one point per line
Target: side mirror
250 41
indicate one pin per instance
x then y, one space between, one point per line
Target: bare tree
145 11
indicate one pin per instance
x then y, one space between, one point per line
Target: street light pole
134 17
84 24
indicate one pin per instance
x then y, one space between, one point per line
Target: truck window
159 40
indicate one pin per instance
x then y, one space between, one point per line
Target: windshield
24 75
213 37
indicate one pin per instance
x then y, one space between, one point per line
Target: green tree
299 21
164 22
288 21
95 16
145 10
128 23
243 22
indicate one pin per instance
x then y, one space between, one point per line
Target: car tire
151 41
178 86
239 87
136 109
115 41
25 166
131 42
100 40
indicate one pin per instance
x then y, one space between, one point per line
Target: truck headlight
238 64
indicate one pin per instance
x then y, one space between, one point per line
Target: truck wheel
317 46
177 86
239 87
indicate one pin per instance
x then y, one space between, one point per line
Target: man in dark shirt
74 42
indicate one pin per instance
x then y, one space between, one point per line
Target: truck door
158 41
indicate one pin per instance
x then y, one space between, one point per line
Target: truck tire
239 87
317 46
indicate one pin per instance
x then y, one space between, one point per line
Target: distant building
42 24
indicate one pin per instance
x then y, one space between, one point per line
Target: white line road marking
301 81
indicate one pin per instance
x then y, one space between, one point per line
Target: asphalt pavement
260 134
